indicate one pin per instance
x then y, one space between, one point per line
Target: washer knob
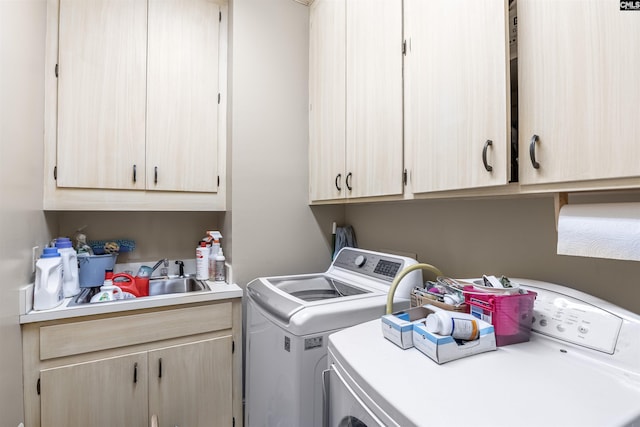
360 260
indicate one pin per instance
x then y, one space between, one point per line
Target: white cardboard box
398 327
444 348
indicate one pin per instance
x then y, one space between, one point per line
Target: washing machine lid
272 293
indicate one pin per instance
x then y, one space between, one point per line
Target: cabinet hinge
56 71
233 421
404 47
218 180
233 347
55 173
218 98
220 16
404 177
38 387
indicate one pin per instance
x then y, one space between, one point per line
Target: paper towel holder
559 200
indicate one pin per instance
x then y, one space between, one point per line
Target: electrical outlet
34 258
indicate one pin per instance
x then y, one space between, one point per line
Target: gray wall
515 237
22 222
274 229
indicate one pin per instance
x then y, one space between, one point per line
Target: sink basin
175 286
159 286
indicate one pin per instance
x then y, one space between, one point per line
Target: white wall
22 222
515 237
274 229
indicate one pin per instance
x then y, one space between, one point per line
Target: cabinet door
374 98
182 107
101 94
327 100
456 93
108 392
200 370
578 90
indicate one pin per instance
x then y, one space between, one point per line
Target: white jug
47 292
108 292
70 279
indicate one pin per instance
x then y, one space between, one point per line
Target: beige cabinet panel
108 392
327 45
579 90
374 98
355 91
200 370
101 103
182 95
456 94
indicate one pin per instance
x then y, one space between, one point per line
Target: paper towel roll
607 230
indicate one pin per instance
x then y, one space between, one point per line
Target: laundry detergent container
91 268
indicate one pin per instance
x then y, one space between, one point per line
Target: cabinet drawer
101 334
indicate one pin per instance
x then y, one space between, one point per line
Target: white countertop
218 291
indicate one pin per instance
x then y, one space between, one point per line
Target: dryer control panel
578 322
384 267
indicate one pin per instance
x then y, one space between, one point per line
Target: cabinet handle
338 177
134 173
160 368
532 151
155 175
135 372
487 166
347 181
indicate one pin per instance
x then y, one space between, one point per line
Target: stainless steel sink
175 286
159 286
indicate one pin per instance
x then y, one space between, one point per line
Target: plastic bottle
220 271
47 292
70 279
108 292
459 326
202 262
215 248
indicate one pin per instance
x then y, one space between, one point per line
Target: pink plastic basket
510 315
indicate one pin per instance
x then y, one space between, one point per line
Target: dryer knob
360 260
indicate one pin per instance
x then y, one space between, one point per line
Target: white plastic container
70 278
220 271
459 325
108 292
202 262
215 247
47 292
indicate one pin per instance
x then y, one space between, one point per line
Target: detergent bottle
47 292
70 278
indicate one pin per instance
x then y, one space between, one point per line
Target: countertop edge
217 292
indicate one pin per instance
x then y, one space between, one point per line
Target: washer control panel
376 265
578 322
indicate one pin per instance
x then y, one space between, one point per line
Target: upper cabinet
355 99
136 102
578 93
456 94
102 94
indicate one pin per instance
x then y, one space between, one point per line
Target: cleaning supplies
215 247
202 261
108 292
220 275
47 292
70 279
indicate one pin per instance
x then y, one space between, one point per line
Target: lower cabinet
185 375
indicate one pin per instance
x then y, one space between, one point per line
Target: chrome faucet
164 271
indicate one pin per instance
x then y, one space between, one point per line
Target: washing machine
289 319
581 367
